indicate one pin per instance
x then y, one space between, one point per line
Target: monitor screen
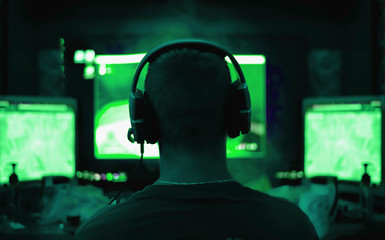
113 77
38 135
341 135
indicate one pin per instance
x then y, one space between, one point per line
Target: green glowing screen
113 79
341 136
38 135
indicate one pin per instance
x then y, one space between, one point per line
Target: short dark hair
188 90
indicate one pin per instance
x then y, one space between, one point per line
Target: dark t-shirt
209 211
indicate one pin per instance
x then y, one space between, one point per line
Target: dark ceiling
44 11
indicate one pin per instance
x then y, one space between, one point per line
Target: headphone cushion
136 108
151 124
232 116
238 114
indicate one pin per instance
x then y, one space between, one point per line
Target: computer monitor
341 134
112 81
37 134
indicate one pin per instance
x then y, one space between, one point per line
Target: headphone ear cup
244 111
238 119
151 124
232 115
136 108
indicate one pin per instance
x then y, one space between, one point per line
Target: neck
182 165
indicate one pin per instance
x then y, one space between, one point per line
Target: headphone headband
143 119
200 45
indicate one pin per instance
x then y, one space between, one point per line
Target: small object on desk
73 220
365 180
13 178
366 198
16 225
71 225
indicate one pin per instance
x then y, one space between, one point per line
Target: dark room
114 122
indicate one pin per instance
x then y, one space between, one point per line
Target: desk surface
34 231
352 231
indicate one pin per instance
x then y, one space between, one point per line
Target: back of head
188 90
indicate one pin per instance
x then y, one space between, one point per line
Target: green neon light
42 107
89 72
375 103
109 176
337 107
79 56
119 59
97 177
4 103
102 69
89 55
136 58
86 175
248 59
122 177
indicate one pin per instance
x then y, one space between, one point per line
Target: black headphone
144 125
